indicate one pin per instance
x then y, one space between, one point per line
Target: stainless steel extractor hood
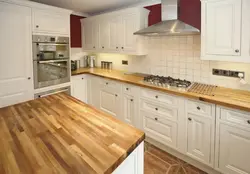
170 24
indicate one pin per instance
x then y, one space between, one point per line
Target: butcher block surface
237 99
60 134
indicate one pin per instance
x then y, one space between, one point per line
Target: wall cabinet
115 33
79 87
16 77
50 22
225 26
232 141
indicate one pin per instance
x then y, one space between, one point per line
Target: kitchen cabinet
129 109
224 30
16 77
90 34
93 88
79 87
116 32
232 141
200 118
47 21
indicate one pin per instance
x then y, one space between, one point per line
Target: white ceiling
93 6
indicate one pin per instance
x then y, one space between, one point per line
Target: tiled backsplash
179 57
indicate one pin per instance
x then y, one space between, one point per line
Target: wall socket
227 73
124 62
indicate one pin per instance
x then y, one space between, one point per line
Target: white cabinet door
129 26
94 91
16 79
110 103
91 34
51 22
223 27
234 150
104 35
199 131
115 34
79 88
129 109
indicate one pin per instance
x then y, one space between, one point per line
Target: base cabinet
129 109
234 150
134 164
199 133
79 88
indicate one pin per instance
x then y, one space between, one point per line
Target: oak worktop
59 134
237 99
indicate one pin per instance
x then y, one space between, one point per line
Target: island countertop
237 99
59 134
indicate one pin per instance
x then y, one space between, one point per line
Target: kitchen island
60 134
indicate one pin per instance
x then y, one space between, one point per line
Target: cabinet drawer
129 89
237 117
167 112
199 108
111 85
160 97
160 129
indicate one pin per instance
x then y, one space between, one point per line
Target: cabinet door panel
104 35
47 21
234 150
199 138
128 109
129 27
79 88
15 54
223 27
114 34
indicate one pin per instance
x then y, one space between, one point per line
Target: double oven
51 62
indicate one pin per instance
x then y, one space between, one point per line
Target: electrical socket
124 62
227 73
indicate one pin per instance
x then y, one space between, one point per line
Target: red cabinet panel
75 31
190 13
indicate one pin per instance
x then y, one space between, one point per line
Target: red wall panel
75 31
190 13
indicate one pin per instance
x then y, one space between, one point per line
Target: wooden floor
160 162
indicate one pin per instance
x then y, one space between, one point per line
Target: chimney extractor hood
170 24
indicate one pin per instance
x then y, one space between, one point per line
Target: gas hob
167 82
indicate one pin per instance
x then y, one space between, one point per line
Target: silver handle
53 93
237 51
51 61
52 44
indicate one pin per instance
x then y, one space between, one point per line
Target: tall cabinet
16 77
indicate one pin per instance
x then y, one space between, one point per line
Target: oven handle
40 96
52 44
51 61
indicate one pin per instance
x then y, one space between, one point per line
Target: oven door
51 72
50 51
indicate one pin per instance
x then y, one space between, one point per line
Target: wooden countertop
237 99
59 134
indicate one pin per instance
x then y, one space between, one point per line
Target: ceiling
92 6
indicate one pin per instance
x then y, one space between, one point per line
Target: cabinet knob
29 78
127 89
189 119
93 46
131 100
156 96
156 109
156 119
107 83
248 121
198 108
82 78
122 47
37 26
116 95
237 51
116 47
102 47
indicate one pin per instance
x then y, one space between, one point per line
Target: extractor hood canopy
170 24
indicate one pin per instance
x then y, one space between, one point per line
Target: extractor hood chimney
170 24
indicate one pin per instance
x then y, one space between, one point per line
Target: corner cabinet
114 32
232 141
224 31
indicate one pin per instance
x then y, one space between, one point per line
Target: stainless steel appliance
91 61
55 91
84 61
51 62
171 24
167 82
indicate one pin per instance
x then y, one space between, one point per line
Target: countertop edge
200 98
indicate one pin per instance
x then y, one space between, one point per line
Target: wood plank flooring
157 161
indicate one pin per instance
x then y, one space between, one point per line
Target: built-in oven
51 62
